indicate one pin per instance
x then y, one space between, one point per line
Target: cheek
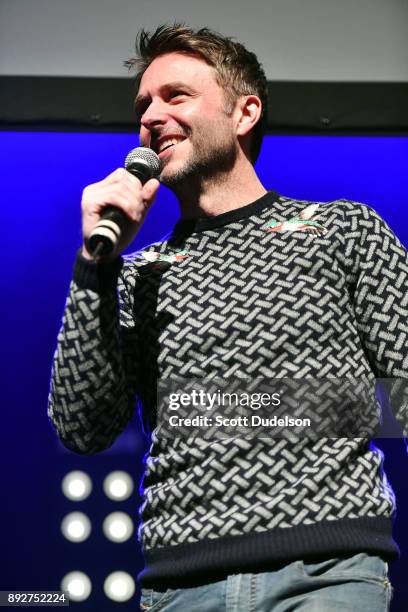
199 113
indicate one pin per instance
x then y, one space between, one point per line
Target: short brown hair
237 70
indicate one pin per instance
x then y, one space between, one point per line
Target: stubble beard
214 153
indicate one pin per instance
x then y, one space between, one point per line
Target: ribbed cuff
100 277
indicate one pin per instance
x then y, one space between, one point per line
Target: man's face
184 119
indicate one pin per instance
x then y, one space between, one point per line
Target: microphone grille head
148 156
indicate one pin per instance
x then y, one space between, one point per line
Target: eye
177 94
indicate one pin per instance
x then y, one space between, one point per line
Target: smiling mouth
167 144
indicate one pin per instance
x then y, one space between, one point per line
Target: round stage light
119 586
76 485
76 526
118 527
118 485
78 586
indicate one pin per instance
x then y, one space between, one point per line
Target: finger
120 174
125 202
122 177
150 189
127 190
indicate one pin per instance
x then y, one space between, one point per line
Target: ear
249 109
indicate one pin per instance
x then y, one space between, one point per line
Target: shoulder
351 209
341 206
349 214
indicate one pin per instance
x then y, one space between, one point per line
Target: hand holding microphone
114 209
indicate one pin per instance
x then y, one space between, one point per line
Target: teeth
167 143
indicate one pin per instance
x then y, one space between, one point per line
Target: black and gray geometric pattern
245 303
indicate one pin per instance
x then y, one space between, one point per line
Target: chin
175 174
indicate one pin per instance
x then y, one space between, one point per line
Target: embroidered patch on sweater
152 256
303 222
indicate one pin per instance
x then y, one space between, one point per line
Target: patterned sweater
277 288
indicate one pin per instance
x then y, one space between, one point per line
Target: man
249 284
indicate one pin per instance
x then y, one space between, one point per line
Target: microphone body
142 163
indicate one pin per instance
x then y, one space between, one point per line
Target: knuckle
134 211
133 179
118 176
86 192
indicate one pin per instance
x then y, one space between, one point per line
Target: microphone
142 163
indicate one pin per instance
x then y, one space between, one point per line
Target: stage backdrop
43 175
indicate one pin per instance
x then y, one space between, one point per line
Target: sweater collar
237 214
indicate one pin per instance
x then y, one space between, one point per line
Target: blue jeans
349 584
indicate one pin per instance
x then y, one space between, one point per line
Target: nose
152 120
154 115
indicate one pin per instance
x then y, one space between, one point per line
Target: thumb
150 189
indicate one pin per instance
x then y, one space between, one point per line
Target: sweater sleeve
94 374
380 278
